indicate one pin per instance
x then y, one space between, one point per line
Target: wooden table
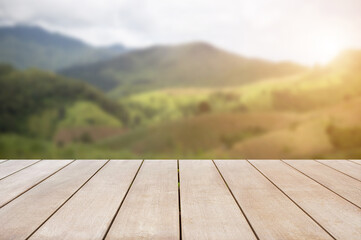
180 199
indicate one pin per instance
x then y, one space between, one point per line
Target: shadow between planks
180 199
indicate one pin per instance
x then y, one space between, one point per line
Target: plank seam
36 184
4 161
321 184
179 202
353 161
56 210
20 169
336 170
234 198
291 200
121 203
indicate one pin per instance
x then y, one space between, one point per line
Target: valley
188 101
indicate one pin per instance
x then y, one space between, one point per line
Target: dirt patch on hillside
86 134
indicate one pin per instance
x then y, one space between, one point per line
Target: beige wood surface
12 166
344 185
356 161
19 182
150 210
25 214
347 167
339 217
271 213
89 212
208 210
92 199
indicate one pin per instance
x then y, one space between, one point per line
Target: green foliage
44 124
195 136
5 69
301 93
15 146
161 106
229 140
86 138
26 93
312 114
85 113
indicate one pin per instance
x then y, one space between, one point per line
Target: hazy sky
306 31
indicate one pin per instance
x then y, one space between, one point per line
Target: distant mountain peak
195 64
197 44
39 35
27 46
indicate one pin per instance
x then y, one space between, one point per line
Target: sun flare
328 47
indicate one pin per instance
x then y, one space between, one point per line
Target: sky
304 31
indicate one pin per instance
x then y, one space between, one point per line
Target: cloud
301 30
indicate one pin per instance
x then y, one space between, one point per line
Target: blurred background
180 79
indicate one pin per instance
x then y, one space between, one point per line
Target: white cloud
301 30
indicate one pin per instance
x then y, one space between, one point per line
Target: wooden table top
180 199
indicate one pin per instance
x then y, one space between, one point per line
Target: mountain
315 114
30 46
312 115
188 65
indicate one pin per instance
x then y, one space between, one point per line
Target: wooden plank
88 214
346 186
150 210
12 166
20 182
339 217
272 214
208 210
356 161
344 166
25 214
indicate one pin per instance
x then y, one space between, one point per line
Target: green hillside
312 114
86 113
27 46
36 103
198 136
190 65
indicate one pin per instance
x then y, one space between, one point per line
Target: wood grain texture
150 210
208 210
270 212
339 217
25 214
90 211
344 166
12 166
19 182
344 185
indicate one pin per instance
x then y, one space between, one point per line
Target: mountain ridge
26 46
188 65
